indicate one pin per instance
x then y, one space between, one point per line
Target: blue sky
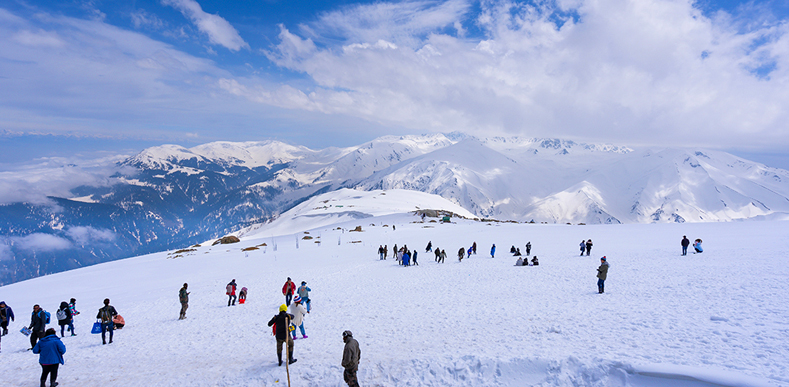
100 77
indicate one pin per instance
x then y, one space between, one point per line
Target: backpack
45 317
229 289
61 314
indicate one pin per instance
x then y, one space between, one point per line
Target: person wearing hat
51 351
287 290
602 273
281 322
298 312
304 293
183 297
350 359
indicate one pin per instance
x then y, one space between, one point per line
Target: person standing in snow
588 247
38 325
351 355
6 316
298 312
474 248
72 305
429 247
380 252
51 351
468 252
685 243
602 273
304 293
528 248
493 250
183 298
442 256
282 321
461 254
287 290
106 314
230 290
438 253
386 251
64 318
406 258
583 247
414 258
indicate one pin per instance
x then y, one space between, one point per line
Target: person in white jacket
298 312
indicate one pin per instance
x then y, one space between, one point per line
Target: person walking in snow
298 312
386 251
64 318
304 293
429 247
105 315
493 250
183 298
72 305
287 290
38 324
442 256
414 258
474 248
6 316
281 322
528 248
351 355
685 243
602 273
461 254
50 352
583 247
438 253
230 290
380 252
468 252
588 247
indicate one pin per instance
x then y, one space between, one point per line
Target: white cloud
41 242
625 71
141 18
83 235
219 30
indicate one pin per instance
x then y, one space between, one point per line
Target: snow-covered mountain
170 195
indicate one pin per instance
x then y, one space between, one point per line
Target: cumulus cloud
41 242
33 182
632 71
219 30
83 235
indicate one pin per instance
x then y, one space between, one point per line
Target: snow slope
711 319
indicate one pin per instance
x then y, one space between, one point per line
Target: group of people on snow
696 245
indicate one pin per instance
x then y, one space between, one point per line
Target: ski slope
711 319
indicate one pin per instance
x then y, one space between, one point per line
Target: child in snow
242 295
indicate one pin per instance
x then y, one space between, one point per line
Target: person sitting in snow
519 262
517 253
118 321
242 295
534 261
512 249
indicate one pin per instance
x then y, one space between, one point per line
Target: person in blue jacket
493 250
6 316
406 257
51 351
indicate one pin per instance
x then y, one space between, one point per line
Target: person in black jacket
38 324
282 321
685 243
105 315
64 311
6 316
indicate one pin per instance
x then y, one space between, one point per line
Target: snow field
717 318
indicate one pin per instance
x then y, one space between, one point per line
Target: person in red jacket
288 289
230 290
